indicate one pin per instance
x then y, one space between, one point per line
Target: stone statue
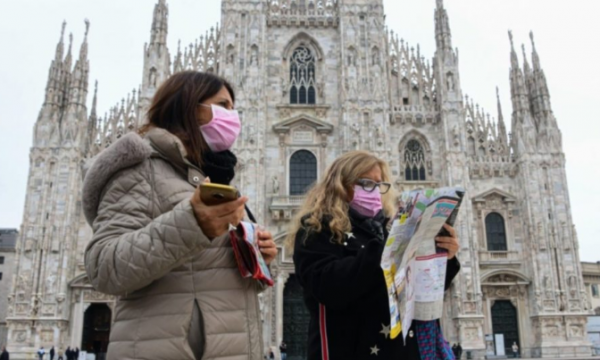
456 134
254 57
450 81
275 185
50 283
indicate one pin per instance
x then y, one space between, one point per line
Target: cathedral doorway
96 330
505 321
295 320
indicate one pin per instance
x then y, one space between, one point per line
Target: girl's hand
267 246
215 220
449 243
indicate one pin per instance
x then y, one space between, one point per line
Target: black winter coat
346 294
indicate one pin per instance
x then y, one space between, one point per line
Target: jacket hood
130 150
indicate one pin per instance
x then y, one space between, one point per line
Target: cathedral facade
315 79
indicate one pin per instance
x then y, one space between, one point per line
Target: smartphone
217 194
451 220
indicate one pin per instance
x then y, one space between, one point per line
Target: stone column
77 321
280 286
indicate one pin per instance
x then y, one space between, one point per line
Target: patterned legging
432 345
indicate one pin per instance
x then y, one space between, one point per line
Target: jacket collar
170 148
128 151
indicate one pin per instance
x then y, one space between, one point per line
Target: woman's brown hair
174 107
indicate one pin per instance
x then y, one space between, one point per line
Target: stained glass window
302 77
414 160
496 232
303 172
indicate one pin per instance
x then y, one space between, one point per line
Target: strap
250 215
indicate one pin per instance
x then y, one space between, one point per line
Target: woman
158 247
4 355
338 238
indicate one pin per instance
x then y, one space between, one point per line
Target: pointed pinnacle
87 27
94 100
62 32
532 40
510 36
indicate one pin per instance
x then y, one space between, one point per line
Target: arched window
303 172
302 77
495 232
414 159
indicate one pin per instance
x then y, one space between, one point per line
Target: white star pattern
350 235
385 330
375 350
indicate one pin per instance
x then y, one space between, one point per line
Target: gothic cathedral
314 79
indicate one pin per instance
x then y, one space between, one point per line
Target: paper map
414 268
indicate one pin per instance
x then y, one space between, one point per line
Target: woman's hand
214 220
267 246
449 243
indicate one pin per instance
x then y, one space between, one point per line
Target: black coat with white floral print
345 292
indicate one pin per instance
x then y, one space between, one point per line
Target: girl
338 238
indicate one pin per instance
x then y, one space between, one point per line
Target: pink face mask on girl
366 203
222 131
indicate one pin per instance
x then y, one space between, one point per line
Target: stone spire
518 88
60 47
535 57
502 133
79 77
46 132
53 85
446 58
73 123
527 74
160 23
550 136
93 114
523 128
69 58
157 60
92 121
443 34
83 51
539 89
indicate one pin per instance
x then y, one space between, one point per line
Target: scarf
219 167
432 345
372 225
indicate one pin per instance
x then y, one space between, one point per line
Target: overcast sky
567 38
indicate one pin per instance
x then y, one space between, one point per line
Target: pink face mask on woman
366 203
222 131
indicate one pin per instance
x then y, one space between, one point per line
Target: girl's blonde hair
329 198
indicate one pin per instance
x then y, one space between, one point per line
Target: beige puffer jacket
180 295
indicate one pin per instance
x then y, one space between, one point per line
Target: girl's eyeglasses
370 185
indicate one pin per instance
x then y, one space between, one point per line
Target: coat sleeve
452 270
130 249
332 279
